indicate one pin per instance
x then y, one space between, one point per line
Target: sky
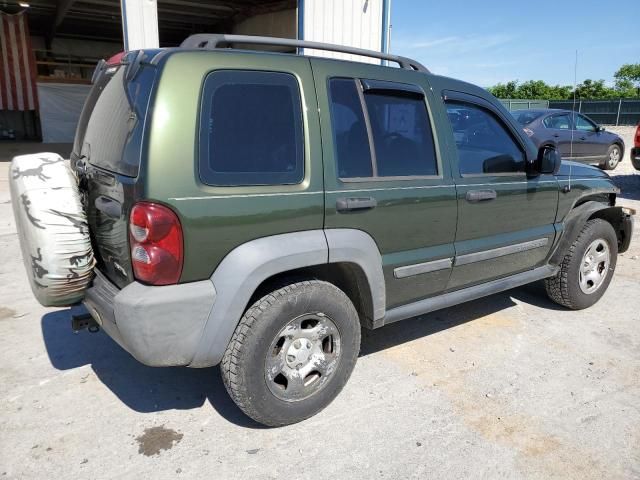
494 41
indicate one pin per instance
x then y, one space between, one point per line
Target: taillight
116 59
636 141
155 236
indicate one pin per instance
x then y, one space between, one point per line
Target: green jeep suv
256 209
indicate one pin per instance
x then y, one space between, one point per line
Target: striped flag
17 64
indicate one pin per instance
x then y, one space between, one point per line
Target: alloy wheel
594 266
303 356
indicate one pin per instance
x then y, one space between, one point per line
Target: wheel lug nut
309 346
291 358
296 344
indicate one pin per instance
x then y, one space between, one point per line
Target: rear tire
292 352
587 268
614 155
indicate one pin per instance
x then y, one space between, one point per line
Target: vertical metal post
139 24
385 31
618 116
580 107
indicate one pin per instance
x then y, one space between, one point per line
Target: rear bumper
635 157
159 326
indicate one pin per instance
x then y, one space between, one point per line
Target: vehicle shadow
629 185
148 389
141 388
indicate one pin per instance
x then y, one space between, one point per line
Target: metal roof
101 19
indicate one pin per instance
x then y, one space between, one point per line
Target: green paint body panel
417 220
217 219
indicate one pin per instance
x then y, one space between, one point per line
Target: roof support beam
62 7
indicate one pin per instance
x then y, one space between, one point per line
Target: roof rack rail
212 41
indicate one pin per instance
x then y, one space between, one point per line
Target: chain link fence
524 104
624 111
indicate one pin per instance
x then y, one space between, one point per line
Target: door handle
556 135
475 196
359 203
583 138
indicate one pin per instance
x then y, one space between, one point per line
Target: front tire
587 268
614 155
292 352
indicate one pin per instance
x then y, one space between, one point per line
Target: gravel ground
509 386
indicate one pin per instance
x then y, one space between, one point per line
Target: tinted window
114 114
251 129
525 118
584 124
560 122
402 135
484 142
350 139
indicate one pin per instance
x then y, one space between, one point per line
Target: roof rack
213 41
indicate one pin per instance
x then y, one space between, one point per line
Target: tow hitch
80 321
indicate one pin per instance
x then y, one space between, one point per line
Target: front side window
484 143
251 129
558 122
584 124
398 125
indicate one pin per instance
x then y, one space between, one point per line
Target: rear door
106 159
559 129
385 173
505 220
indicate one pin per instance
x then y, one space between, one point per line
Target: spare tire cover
52 227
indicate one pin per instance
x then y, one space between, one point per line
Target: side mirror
548 160
600 128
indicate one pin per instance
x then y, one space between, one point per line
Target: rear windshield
110 129
525 118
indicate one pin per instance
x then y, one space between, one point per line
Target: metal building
66 38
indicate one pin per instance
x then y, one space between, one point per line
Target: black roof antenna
567 188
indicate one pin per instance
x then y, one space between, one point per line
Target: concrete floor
510 386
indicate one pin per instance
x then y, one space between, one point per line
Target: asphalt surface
510 386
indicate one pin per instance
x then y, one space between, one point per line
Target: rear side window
402 135
559 122
251 129
396 122
484 143
349 130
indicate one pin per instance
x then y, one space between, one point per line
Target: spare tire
52 228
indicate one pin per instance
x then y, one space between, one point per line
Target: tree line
627 85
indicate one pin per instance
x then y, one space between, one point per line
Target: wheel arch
586 210
348 258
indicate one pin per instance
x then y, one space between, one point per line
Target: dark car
575 135
635 151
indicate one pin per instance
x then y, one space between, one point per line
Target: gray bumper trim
159 326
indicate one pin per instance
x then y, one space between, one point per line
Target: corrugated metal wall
356 23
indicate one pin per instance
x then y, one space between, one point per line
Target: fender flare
575 220
244 268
